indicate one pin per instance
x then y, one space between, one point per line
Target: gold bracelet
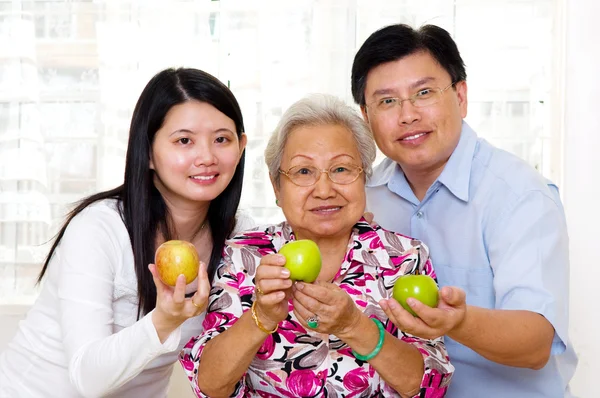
259 324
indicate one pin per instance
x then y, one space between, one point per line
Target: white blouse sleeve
99 360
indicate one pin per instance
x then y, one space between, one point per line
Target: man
495 228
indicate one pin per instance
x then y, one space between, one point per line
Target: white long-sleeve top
82 336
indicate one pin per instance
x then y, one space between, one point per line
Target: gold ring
259 290
197 306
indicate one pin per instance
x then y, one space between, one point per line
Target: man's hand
432 322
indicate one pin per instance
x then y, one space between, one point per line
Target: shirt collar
383 173
455 176
364 245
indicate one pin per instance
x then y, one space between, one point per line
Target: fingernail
280 259
299 285
411 301
285 273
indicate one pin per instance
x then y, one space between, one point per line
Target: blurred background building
71 71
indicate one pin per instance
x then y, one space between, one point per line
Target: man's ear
461 92
363 110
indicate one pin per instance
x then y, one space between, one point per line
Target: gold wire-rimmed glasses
422 98
305 176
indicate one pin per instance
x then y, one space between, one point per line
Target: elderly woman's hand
272 288
332 308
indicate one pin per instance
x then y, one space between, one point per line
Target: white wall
581 186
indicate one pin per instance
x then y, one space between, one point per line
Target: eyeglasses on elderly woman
305 176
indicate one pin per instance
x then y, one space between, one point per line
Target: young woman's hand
172 307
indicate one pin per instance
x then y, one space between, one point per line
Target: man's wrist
460 331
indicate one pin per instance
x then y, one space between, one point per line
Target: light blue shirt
495 228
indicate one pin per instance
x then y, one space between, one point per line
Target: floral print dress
296 362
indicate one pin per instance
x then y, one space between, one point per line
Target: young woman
104 324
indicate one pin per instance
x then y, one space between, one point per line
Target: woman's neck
187 222
333 251
188 226
186 218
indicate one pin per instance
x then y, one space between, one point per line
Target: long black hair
142 207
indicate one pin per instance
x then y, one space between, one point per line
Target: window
54 20
68 120
69 84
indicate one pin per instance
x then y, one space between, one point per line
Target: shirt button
420 214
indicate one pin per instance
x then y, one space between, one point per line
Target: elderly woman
267 336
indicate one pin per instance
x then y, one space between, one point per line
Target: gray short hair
319 110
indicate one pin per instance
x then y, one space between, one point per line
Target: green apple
421 287
303 259
176 257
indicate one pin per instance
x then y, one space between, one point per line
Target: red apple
176 257
303 259
421 287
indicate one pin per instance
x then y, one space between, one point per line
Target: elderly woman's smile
326 210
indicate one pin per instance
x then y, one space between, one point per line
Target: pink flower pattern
312 364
